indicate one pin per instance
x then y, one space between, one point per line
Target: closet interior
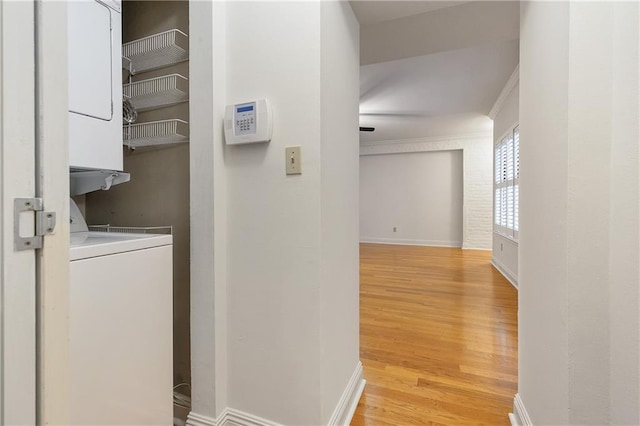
155 153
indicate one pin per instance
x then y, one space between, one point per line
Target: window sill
506 237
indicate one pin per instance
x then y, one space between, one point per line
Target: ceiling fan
403 114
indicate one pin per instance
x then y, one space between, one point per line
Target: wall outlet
395 229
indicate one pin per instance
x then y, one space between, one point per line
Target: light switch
293 158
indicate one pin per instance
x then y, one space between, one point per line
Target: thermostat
248 122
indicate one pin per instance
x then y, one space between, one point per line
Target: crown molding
506 90
429 139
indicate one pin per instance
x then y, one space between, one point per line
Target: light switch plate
293 160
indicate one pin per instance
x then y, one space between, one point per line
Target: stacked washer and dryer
121 283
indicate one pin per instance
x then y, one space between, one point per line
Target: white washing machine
121 285
121 329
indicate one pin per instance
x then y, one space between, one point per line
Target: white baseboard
513 420
229 417
348 402
233 417
505 272
341 415
519 417
468 247
408 242
194 419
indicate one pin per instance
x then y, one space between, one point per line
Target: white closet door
90 46
17 172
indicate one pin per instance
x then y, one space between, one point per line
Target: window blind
506 184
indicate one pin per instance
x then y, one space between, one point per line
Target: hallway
438 337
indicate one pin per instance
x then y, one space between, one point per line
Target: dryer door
90 59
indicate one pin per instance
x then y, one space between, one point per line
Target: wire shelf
157 51
127 65
164 230
155 133
157 92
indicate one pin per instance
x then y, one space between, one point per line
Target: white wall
542 327
209 370
339 292
578 300
505 250
624 255
420 194
273 219
276 327
477 160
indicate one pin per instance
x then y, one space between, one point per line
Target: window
506 184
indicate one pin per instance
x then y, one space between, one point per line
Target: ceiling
407 97
373 12
432 69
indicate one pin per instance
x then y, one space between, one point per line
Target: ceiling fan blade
367 129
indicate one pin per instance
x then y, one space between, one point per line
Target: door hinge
45 223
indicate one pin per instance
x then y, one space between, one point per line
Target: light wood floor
438 337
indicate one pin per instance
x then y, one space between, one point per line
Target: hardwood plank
438 337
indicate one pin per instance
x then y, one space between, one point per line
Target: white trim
506 133
233 417
194 419
468 247
342 414
402 242
54 366
208 236
498 233
506 272
513 420
398 146
229 417
430 139
19 122
519 417
348 402
504 94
